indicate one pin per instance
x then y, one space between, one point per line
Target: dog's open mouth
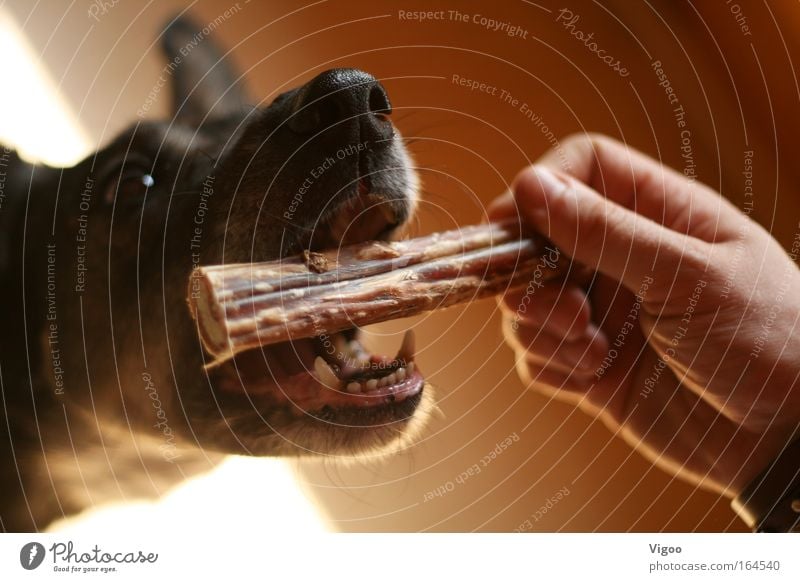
332 376
364 216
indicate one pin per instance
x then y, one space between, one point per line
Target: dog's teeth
391 379
372 384
354 388
401 374
325 374
382 382
408 347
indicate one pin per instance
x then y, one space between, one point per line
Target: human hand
683 337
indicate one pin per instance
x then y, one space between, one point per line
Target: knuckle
592 223
515 331
579 141
588 141
600 140
691 259
526 371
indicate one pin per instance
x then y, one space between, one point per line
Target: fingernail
551 183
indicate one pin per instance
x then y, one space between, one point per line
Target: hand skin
725 400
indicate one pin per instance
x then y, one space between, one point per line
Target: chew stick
243 306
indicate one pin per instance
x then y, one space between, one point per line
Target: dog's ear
204 84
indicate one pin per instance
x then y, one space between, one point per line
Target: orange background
739 91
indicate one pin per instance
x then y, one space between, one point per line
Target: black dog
106 393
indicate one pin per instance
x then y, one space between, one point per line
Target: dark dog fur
104 386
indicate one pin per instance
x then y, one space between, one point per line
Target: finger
561 309
503 207
640 183
565 386
584 354
599 232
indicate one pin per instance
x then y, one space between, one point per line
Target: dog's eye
131 186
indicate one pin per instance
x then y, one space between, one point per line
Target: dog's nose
343 97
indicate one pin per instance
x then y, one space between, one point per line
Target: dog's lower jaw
308 437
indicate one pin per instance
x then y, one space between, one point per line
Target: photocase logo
31 555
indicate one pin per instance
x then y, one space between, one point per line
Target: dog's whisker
430 126
413 140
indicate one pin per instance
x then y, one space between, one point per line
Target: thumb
596 231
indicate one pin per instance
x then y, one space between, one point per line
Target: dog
107 392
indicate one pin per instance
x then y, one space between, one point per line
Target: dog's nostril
339 96
379 100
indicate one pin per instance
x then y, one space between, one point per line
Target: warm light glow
36 119
243 495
